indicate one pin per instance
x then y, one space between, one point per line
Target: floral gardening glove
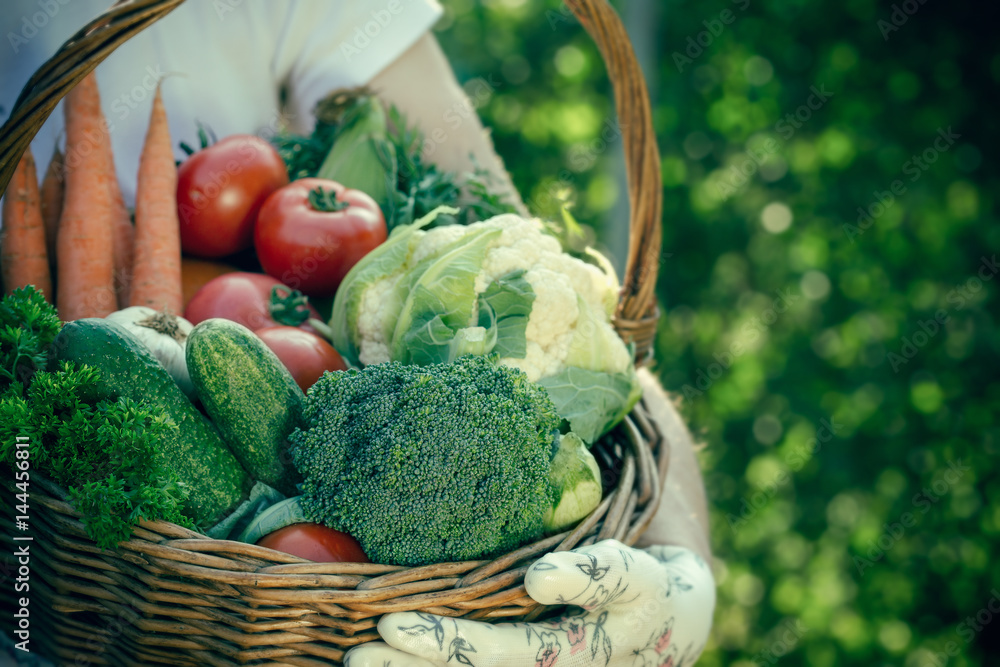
640 608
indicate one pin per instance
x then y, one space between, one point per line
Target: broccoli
424 464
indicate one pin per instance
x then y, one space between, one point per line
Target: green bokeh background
851 429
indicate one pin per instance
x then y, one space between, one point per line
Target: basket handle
74 60
636 315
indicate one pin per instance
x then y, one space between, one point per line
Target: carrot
156 279
84 243
121 229
123 237
52 201
24 258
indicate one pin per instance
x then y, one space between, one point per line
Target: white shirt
224 63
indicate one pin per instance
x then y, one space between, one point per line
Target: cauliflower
501 285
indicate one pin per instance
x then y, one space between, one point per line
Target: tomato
312 231
247 298
305 355
315 542
221 188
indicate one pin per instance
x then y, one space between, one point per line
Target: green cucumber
250 395
216 481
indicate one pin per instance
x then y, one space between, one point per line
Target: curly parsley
28 325
101 450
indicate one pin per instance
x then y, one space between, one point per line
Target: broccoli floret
424 464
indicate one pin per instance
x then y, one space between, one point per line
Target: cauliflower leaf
592 401
506 305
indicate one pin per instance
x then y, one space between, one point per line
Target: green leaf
478 340
279 515
593 340
508 301
592 401
445 289
429 340
361 158
576 483
381 262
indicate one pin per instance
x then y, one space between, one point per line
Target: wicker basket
173 596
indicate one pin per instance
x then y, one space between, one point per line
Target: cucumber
250 395
216 481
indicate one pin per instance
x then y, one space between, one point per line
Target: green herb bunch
28 324
101 450
382 154
421 186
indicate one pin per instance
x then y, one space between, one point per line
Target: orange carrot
84 244
156 279
123 236
23 255
52 200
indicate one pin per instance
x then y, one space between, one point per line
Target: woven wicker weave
172 596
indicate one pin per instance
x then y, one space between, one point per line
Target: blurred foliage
842 374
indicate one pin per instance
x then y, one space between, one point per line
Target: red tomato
316 543
309 239
221 188
305 355
245 298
